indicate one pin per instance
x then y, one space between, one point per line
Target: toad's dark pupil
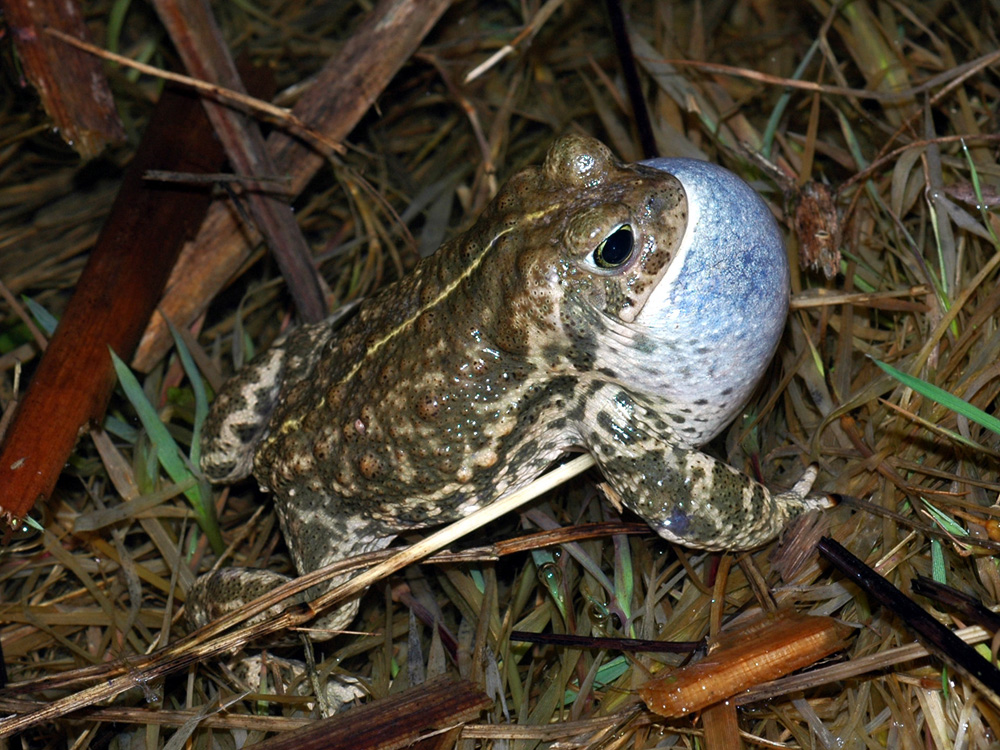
616 248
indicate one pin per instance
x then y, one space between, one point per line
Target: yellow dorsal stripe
293 424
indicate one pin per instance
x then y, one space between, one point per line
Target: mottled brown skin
468 377
380 416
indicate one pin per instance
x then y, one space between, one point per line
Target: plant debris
887 110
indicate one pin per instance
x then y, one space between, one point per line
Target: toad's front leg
693 499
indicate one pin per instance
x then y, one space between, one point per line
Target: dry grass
892 88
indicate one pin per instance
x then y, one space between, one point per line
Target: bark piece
199 41
71 84
394 722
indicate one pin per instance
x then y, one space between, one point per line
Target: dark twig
936 636
640 112
617 644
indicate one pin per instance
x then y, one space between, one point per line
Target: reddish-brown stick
117 292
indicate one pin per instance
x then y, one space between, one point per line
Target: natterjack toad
627 310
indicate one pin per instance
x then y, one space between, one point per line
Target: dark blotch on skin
525 452
245 432
644 344
428 406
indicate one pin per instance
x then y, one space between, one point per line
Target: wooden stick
200 43
394 722
342 93
115 296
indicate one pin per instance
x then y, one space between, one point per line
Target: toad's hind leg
227 590
316 537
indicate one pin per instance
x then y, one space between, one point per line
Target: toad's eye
615 249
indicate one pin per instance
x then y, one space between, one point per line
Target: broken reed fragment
775 645
403 720
934 635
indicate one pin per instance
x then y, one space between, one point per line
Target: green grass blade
551 577
624 578
767 141
168 453
198 387
46 320
941 396
978 188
